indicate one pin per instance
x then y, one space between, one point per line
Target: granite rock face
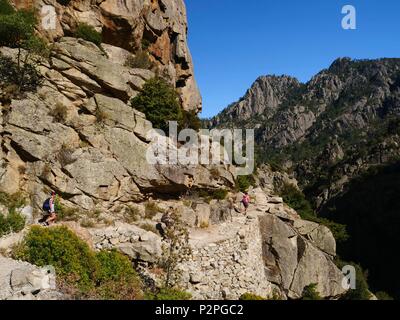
78 135
130 26
23 281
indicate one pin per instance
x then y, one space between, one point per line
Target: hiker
49 209
246 201
167 221
167 217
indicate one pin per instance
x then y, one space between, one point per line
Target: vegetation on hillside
17 30
373 201
81 272
297 200
12 220
88 33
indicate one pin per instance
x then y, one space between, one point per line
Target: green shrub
169 294
64 2
116 278
6 7
141 61
310 293
275 166
250 297
64 213
361 292
16 222
17 30
114 266
151 209
159 102
383 296
13 201
297 200
209 195
220 194
13 222
62 249
18 79
81 272
243 183
190 120
88 33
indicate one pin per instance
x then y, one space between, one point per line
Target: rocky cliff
77 134
339 135
159 27
328 130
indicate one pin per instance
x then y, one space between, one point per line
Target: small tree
141 61
159 102
17 30
176 249
310 293
190 120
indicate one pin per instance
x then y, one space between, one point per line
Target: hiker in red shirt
246 201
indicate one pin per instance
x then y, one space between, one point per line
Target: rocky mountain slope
328 130
270 252
334 133
77 134
159 27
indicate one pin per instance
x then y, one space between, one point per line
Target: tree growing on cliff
160 102
176 249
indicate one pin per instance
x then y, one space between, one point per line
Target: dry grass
149 227
151 209
131 214
141 61
59 113
101 116
22 169
65 155
204 225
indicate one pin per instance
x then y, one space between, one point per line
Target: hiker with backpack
49 209
167 221
246 201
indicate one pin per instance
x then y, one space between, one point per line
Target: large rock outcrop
326 124
160 27
23 281
78 135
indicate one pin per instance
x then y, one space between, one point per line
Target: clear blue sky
233 42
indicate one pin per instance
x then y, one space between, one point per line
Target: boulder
318 234
315 267
21 280
293 261
138 244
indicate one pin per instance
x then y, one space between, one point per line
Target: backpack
46 205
